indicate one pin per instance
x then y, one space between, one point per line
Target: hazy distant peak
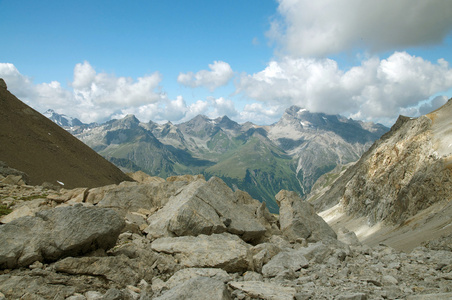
62 119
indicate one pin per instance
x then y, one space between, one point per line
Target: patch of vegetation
4 210
33 197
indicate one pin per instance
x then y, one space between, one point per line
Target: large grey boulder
186 274
205 208
198 288
292 260
118 269
264 290
298 219
56 233
132 196
225 251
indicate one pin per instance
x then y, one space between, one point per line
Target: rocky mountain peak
62 119
226 123
128 122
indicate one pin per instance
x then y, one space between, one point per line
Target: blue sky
250 60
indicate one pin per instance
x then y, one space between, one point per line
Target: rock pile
188 238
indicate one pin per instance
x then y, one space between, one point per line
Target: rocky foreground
187 238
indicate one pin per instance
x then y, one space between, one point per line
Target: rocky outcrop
205 208
56 233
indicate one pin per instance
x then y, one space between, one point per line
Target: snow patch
302 110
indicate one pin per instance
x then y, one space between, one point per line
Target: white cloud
322 27
377 90
219 75
260 114
106 89
94 96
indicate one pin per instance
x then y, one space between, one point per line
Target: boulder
118 269
198 288
204 208
298 219
225 251
264 290
292 260
13 180
135 196
142 177
185 274
28 209
76 195
56 233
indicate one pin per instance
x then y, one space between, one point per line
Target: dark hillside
46 152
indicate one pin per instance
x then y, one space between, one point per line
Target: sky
250 60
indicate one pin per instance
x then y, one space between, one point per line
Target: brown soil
32 143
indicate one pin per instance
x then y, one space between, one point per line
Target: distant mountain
62 120
291 154
319 142
35 145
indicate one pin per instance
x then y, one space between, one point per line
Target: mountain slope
258 167
403 176
46 152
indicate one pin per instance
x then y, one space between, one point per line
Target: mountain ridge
224 148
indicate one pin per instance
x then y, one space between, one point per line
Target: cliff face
406 171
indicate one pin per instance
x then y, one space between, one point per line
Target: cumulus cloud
94 96
430 106
220 74
322 27
377 90
102 88
260 114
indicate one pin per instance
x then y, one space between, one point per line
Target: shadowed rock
56 233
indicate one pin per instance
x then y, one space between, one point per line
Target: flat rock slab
198 288
264 290
292 260
225 251
57 233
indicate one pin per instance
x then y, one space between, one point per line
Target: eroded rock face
56 233
403 173
298 219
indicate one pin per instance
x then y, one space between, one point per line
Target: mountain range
290 154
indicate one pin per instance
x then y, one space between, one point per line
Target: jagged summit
62 119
